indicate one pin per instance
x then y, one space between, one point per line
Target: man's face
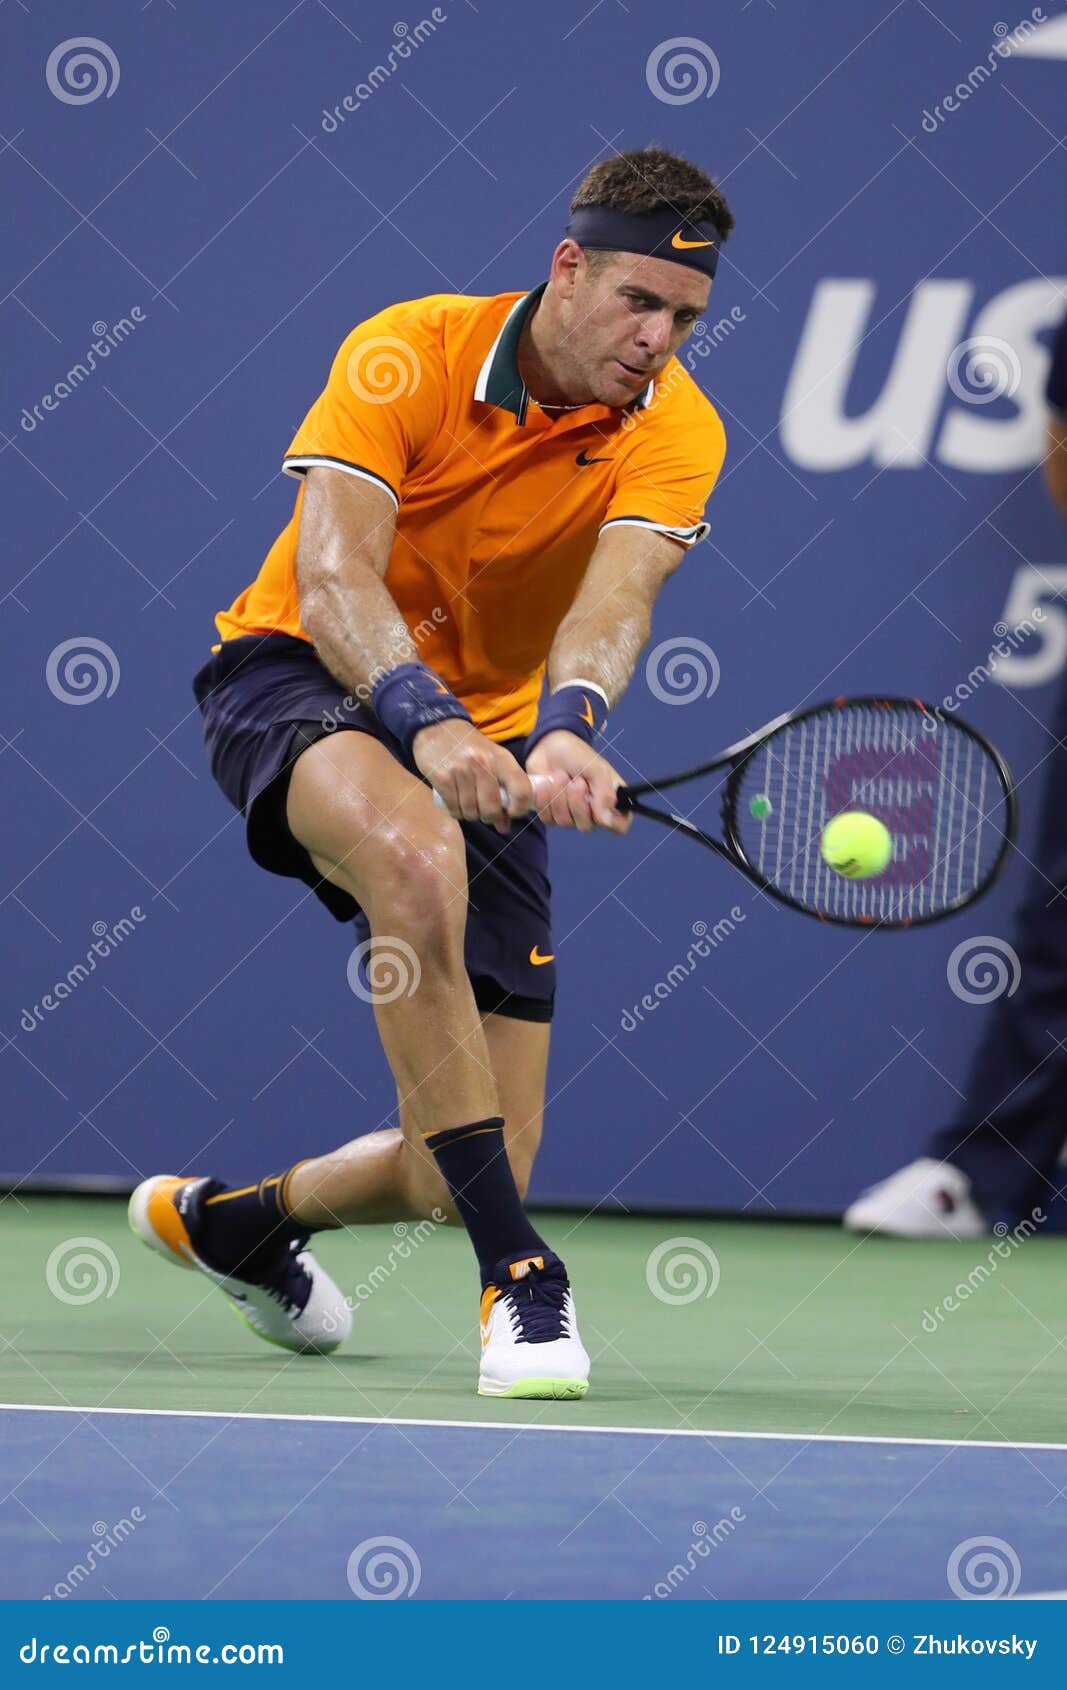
626 317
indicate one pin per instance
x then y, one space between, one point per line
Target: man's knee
371 827
409 877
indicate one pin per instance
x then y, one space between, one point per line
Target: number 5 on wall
1034 609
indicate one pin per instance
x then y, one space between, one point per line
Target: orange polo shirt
499 504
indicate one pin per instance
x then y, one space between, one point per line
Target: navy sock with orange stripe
476 1170
239 1232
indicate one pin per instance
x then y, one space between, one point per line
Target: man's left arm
592 659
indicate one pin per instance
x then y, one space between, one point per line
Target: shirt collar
499 381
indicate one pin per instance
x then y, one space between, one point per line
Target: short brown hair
650 178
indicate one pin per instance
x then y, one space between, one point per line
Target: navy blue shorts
264 699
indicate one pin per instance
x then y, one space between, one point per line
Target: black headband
657 234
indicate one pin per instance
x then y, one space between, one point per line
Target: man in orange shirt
492 489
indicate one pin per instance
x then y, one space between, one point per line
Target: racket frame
737 757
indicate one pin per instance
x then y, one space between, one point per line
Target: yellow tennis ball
856 845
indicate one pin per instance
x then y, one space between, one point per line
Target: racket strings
933 786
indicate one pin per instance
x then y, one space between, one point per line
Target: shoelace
292 1287
538 1301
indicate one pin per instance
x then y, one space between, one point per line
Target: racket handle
535 780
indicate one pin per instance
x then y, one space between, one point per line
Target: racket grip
534 779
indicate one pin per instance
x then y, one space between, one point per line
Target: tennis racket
941 789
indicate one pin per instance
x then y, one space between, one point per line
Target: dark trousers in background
1010 1131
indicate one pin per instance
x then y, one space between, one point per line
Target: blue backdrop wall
178 192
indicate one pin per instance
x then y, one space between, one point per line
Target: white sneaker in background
927 1199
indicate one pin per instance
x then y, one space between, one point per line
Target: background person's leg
1009 1132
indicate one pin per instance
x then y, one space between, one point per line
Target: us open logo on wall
955 356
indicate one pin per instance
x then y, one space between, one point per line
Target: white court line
530 1426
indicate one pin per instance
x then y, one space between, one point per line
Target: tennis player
491 488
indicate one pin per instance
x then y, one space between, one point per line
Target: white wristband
590 686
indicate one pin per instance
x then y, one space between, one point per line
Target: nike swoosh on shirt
583 460
537 959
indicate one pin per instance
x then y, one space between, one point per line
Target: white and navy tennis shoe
290 1300
530 1342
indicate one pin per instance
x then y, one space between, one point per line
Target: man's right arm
346 539
347 527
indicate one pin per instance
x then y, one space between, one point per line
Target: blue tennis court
210 1506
